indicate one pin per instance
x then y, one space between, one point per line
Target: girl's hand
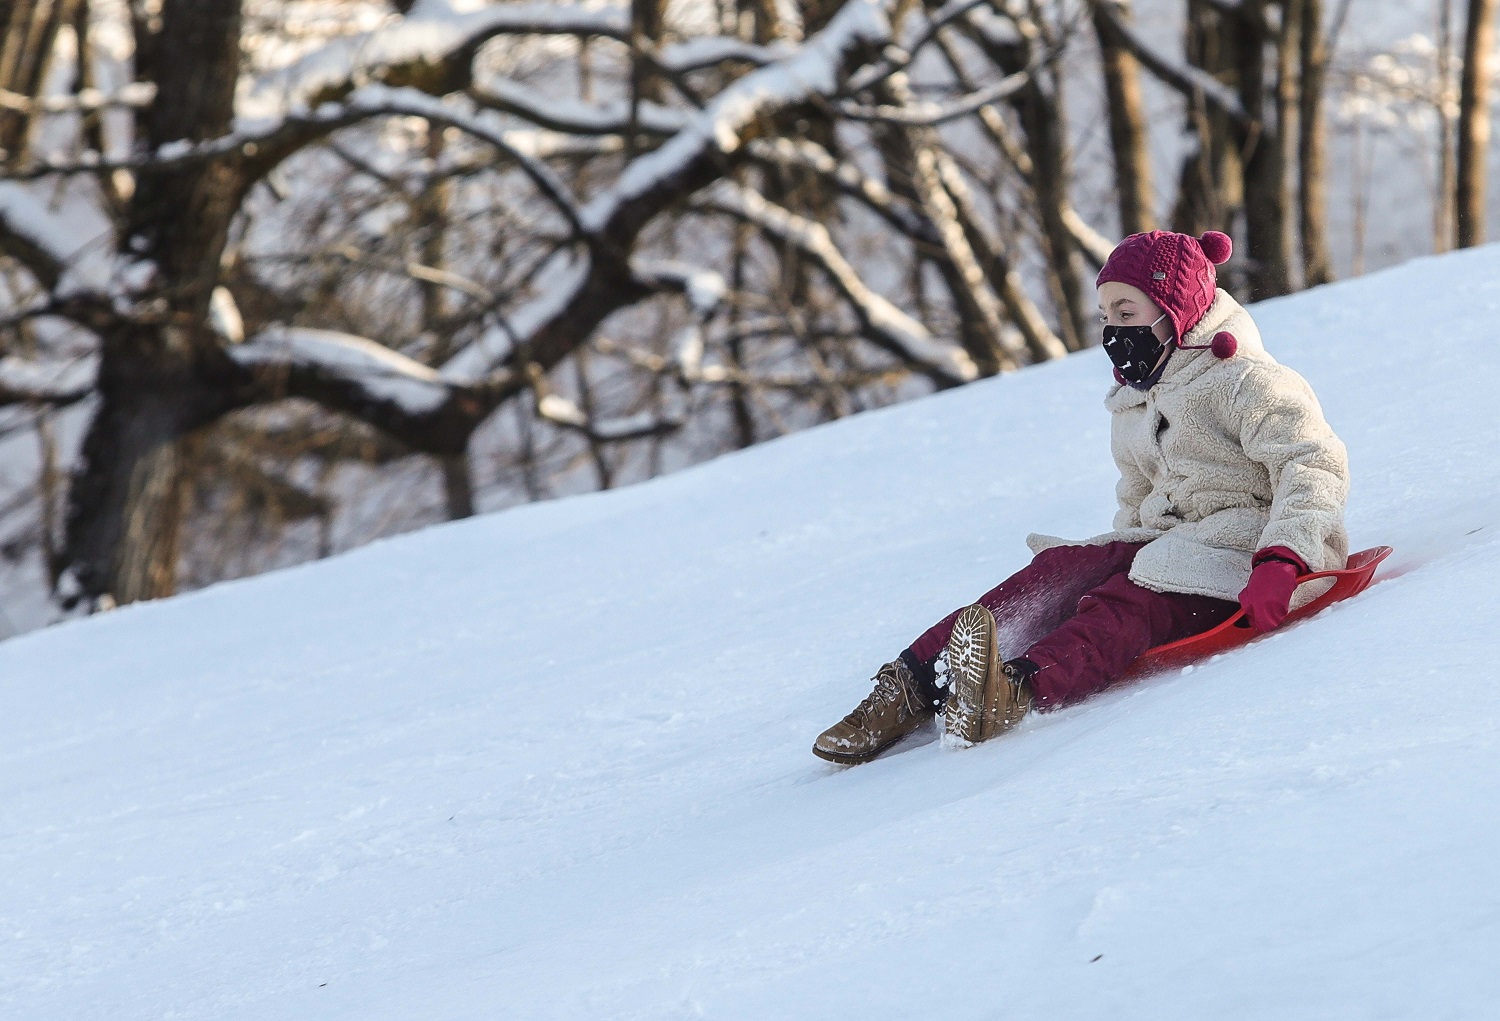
1268 596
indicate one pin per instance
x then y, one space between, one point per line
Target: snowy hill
554 763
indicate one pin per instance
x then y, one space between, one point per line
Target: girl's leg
1114 624
1031 602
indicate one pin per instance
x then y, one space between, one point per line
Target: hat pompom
1224 344
1217 246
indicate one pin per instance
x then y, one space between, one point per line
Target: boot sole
855 758
971 658
852 760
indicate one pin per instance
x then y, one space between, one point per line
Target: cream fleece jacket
1221 458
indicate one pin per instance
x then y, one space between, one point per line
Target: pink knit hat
1174 270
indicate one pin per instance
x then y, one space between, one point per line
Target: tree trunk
1127 129
1268 238
779 19
816 14
796 188
180 219
645 29
1312 149
1474 122
458 485
739 393
162 378
127 499
1288 98
1442 207
429 217
994 253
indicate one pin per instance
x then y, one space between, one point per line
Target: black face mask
1136 353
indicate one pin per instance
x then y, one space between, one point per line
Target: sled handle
1349 580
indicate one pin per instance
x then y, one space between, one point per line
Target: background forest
280 278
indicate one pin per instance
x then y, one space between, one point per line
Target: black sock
924 673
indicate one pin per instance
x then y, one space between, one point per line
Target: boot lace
888 691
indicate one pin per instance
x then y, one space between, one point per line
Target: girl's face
1123 305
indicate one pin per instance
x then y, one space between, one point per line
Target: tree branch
928 114
572 116
884 324
361 378
56 383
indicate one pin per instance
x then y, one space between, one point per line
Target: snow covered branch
376 100
433 44
929 114
1095 246
704 289
68 248
710 51
562 412
885 324
737 113
361 378
572 116
383 373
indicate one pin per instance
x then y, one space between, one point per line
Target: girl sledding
1232 486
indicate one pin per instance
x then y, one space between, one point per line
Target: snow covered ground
553 763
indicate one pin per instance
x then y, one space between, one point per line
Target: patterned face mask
1136 352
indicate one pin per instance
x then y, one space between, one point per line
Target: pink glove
1268 596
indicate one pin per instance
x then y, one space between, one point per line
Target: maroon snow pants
1075 613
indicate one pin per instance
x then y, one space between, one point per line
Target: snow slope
553 763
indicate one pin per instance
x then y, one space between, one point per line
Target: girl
1231 486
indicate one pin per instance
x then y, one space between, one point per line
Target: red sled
1236 631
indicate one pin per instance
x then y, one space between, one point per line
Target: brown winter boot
890 712
985 697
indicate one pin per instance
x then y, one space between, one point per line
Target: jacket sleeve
1132 488
1282 428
